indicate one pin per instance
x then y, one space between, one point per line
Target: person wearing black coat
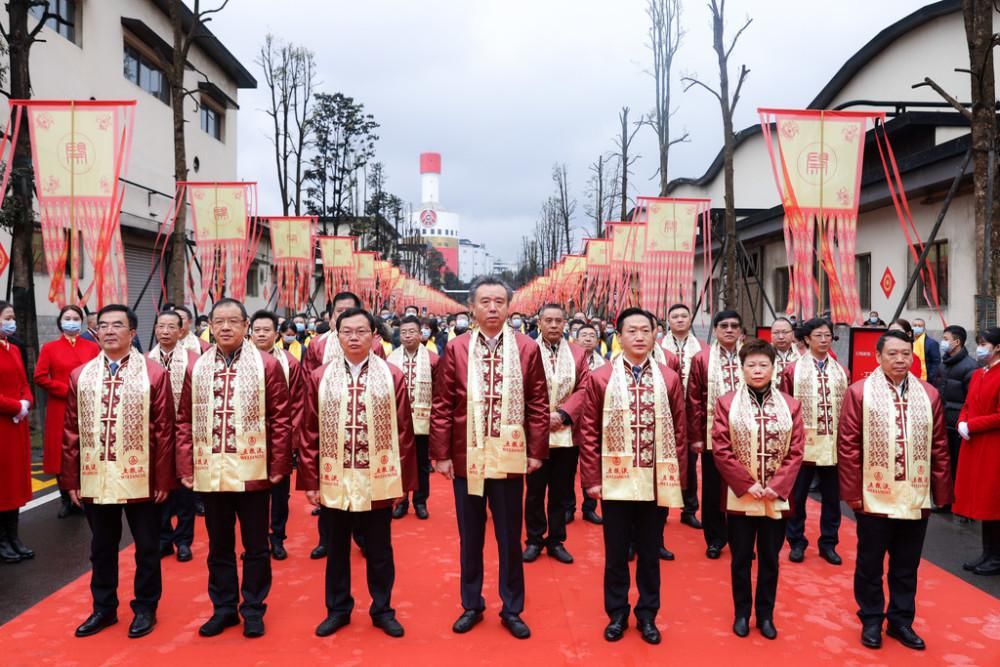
952 383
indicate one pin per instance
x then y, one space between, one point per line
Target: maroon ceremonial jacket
577 400
850 447
448 410
734 474
308 470
312 358
277 419
592 427
163 434
297 394
697 396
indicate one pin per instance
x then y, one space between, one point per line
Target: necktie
113 367
637 372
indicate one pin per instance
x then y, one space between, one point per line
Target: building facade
473 260
430 221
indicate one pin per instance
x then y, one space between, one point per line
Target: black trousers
690 494
713 519
954 445
106 534
179 504
221 513
280 493
903 540
829 518
555 476
589 504
767 535
622 520
505 497
380 566
424 469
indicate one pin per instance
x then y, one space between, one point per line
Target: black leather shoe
8 553
531 553
590 516
65 507
971 565
631 553
400 510
278 551
988 567
219 622
518 628
184 553
797 554
96 622
142 624
741 627
468 620
666 554
253 627
389 626
570 517
421 511
690 520
650 634
767 629
559 552
713 552
331 624
905 635
871 636
318 552
831 556
166 550
315 511
199 508
616 628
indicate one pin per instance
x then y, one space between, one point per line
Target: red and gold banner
293 242
337 254
80 151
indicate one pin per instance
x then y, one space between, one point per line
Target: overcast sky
504 89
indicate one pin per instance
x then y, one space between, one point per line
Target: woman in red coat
15 440
978 478
55 362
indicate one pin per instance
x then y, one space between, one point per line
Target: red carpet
814 615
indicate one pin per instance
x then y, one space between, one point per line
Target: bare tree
625 157
665 35
289 73
727 105
597 193
565 207
188 27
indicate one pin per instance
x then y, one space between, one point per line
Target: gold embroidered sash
332 349
761 459
421 392
718 385
685 353
220 465
190 342
782 361
560 376
621 476
489 457
114 474
820 449
177 369
886 489
596 360
279 356
349 488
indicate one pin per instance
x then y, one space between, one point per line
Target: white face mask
288 339
71 326
425 333
945 347
461 324
516 323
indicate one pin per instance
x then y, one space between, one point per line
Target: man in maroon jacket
490 427
118 454
892 456
355 481
236 447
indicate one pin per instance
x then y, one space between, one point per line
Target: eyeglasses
728 326
354 333
114 326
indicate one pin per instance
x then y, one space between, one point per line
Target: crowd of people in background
584 387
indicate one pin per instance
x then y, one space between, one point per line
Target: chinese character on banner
337 254
293 242
80 152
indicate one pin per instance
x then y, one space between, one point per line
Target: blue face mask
288 339
300 327
425 333
917 331
71 326
9 327
945 348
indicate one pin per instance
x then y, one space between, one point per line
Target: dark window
937 264
65 10
781 287
211 121
253 280
146 74
38 255
863 271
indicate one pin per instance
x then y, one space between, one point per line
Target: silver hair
488 280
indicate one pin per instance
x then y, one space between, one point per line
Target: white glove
963 430
25 405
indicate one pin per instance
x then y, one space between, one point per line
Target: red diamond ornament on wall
4 260
888 282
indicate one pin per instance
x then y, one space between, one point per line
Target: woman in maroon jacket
757 440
